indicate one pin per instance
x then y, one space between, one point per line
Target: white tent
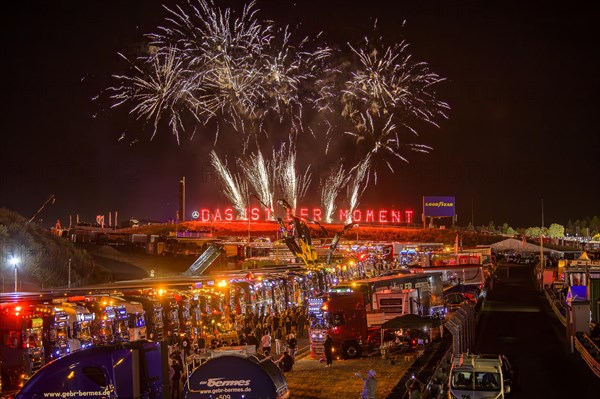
519 246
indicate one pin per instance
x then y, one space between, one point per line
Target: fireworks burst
292 184
358 182
331 187
158 89
213 63
386 93
259 175
234 187
243 69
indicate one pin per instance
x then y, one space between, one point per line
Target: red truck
21 345
352 314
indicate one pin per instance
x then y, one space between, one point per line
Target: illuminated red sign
256 214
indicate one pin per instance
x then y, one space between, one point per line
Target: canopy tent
512 244
410 321
584 256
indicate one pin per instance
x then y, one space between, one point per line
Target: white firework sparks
234 187
358 182
156 89
331 187
259 175
293 185
213 63
386 94
241 68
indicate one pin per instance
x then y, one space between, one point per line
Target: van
477 377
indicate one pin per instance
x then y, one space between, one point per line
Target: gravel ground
310 379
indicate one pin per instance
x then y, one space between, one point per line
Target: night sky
522 83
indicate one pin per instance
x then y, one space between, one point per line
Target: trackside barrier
554 303
584 344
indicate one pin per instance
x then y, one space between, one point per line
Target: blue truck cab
125 370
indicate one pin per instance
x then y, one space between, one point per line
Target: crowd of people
274 332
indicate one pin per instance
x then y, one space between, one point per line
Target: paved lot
310 379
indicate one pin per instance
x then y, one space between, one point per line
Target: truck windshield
336 319
476 381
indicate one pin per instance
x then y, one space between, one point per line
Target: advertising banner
439 206
237 377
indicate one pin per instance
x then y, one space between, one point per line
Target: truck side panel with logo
122 371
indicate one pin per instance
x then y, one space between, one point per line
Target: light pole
14 260
69 282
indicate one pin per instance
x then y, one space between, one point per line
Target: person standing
279 341
252 340
328 344
413 386
176 370
288 322
370 385
265 343
301 323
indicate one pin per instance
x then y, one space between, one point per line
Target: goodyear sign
439 206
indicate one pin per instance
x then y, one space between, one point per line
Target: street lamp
14 260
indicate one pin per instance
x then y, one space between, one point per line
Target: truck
110 323
21 345
136 318
124 370
80 321
352 313
56 332
479 376
171 314
153 309
351 322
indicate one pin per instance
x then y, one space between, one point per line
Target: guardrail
583 343
554 303
589 351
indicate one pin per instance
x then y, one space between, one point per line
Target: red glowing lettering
383 216
254 214
343 215
317 214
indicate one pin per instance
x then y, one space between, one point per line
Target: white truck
479 376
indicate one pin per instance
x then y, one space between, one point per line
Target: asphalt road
518 322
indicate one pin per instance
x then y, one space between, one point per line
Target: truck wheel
351 351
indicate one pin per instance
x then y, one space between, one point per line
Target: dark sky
522 83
